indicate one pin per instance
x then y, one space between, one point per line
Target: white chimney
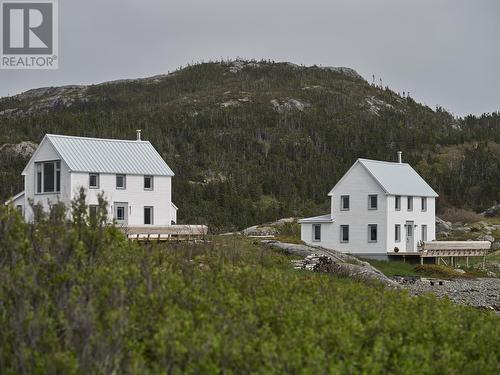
400 157
138 134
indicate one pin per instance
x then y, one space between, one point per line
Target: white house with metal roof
136 181
378 208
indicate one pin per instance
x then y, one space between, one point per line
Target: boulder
492 211
487 238
442 226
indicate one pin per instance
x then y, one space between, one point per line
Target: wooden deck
166 233
447 251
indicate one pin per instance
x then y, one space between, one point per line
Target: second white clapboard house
378 208
136 181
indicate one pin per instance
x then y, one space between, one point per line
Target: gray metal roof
317 219
109 155
398 178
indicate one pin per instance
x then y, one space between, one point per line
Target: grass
398 268
393 268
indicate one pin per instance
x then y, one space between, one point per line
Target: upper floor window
121 182
372 202
148 182
424 204
397 203
344 233
316 232
410 203
94 180
48 177
372 232
344 203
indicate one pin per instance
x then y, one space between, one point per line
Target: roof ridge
96 139
382 161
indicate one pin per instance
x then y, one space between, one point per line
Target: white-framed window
48 177
372 232
344 233
121 181
120 213
372 202
148 215
316 229
424 204
148 182
344 203
397 233
397 202
19 208
93 209
410 203
94 180
424 232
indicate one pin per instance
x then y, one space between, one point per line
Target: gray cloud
444 52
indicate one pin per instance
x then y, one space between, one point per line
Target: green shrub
78 298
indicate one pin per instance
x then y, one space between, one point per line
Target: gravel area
482 292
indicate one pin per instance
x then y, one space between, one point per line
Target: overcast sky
444 52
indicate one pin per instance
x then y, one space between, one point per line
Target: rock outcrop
480 231
443 227
319 259
22 150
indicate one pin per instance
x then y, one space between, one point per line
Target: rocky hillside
252 141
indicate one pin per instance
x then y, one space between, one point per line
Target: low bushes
456 215
77 298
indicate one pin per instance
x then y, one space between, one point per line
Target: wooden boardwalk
166 233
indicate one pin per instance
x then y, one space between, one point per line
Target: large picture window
48 177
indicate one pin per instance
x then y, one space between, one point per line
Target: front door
121 213
410 232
